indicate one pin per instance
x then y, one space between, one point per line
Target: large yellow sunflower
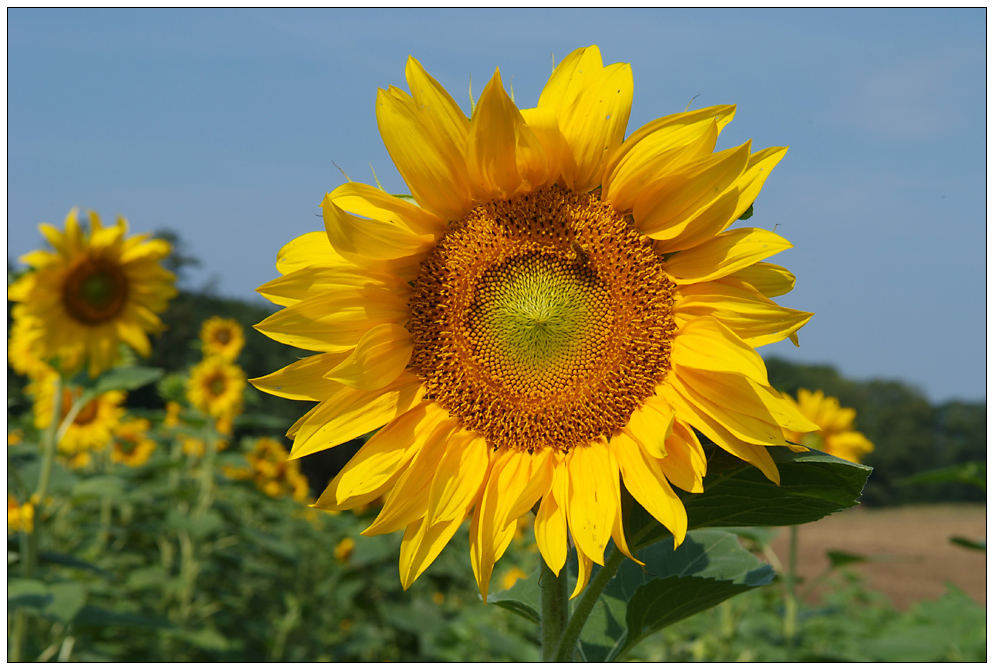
216 387
93 290
835 434
552 317
222 337
94 424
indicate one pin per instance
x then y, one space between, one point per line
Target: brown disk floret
542 321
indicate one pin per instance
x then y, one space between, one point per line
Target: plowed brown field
913 558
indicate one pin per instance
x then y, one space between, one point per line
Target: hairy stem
585 605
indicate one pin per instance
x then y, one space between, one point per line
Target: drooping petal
592 498
648 485
303 379
685 464
550 523
706 344
651 424
769 279
460 473
421 545
361 239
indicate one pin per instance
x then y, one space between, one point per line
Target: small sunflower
132 445
215 387
93 290
20 517
222 337
274 475
552 317
91 429
835 434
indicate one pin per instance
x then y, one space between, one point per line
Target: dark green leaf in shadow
524 598
976 545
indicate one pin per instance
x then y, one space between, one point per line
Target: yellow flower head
173 411
22 349
216 386
555 312
511 577
343 550
222 337
132 445
274 474
92 290
835 434
94 424
19 517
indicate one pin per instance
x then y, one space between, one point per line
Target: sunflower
132 445
20 517
222 337
94 424
835 434
215 387
22 350
274 475
552 316
93 290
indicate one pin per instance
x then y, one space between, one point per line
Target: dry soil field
913 558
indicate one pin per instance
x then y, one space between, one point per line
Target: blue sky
227 126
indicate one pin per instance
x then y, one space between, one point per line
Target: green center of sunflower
95 290
216 385
544 320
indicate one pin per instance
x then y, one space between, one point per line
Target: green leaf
524 598
97 487
972 472
99 618
709 567
976 545
118 379
840 558
748 213
61 601
812 485
71 561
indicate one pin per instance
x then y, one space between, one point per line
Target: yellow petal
334 321
302 380
421 545
648 485
372 203
379 358
592 103
669 204
408 498
666 151
584 570
446 117
349 413
493 129
753 454
769 279
377 464
724 254
309 250
706 344
306 282
550 533
360 239
685 464
592 498
421 144
459 475
753 317
722 212
650 424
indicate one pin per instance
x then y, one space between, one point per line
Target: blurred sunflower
222 337
93 426
20 517
557 310
274 475
95 289
216 386
835 434
22 350
132 445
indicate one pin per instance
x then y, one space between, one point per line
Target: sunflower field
515 415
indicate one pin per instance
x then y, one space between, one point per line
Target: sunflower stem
555 609
567 643
790 584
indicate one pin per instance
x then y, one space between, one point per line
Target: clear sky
226 126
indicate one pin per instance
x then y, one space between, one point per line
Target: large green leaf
524 598
61 601
709 567
812 485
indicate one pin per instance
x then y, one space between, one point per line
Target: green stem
585 605
790 583
555 609
207 478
